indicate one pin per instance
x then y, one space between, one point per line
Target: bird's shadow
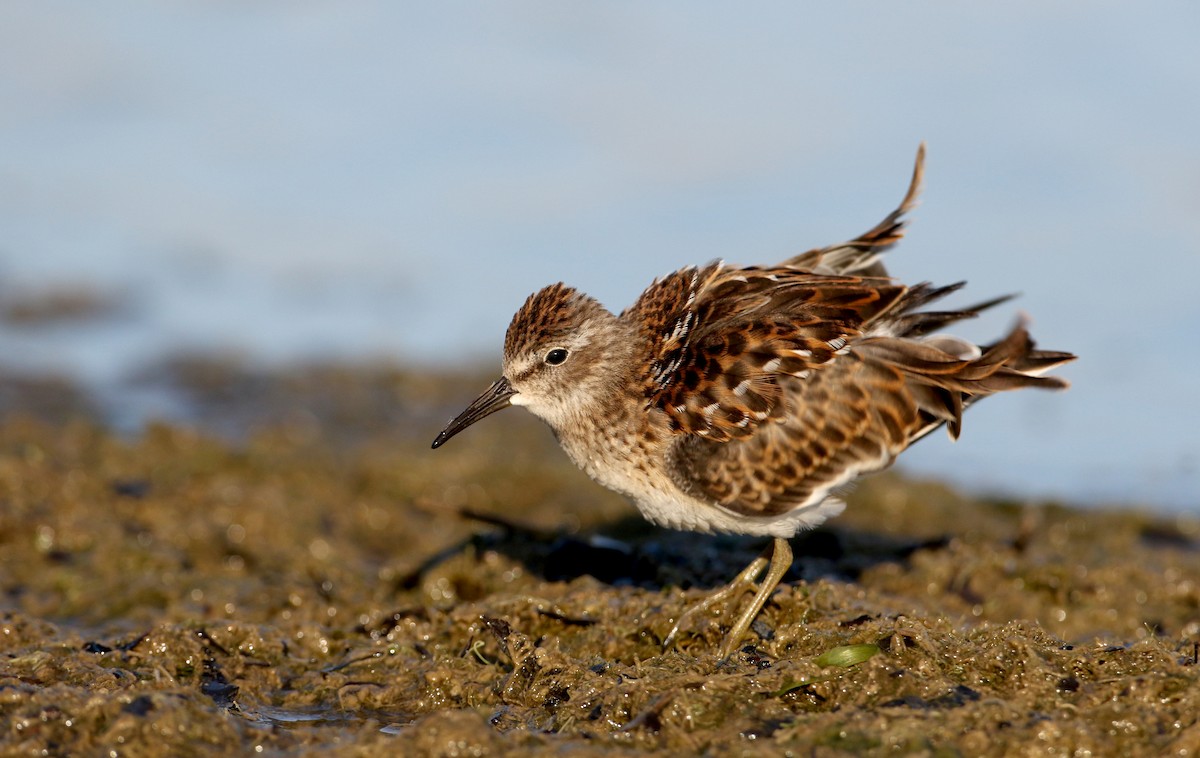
631 552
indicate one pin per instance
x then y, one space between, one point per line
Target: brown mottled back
722 340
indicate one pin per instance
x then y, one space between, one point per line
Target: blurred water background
350 181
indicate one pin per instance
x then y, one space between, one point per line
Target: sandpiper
744 399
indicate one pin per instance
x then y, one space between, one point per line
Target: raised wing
785 383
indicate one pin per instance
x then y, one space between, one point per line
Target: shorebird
745 399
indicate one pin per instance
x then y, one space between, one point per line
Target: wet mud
296 572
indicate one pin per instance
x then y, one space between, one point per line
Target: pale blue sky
305 179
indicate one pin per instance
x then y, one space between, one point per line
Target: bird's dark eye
556 356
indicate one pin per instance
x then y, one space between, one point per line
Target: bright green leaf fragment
847 655
844 656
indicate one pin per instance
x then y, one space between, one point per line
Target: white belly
657 497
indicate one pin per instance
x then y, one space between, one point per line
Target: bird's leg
771 553
781 561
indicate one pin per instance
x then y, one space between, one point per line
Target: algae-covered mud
296 572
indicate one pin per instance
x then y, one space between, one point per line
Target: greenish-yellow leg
781 560
779 556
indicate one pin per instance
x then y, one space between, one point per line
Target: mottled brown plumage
740 399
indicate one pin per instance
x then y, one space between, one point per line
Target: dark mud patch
287 592
62 304
51 398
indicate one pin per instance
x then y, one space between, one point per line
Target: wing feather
722 339
862 254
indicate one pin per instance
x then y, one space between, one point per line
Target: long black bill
494 399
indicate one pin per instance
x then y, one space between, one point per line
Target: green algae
315 586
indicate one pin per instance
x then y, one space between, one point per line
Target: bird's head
559 354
